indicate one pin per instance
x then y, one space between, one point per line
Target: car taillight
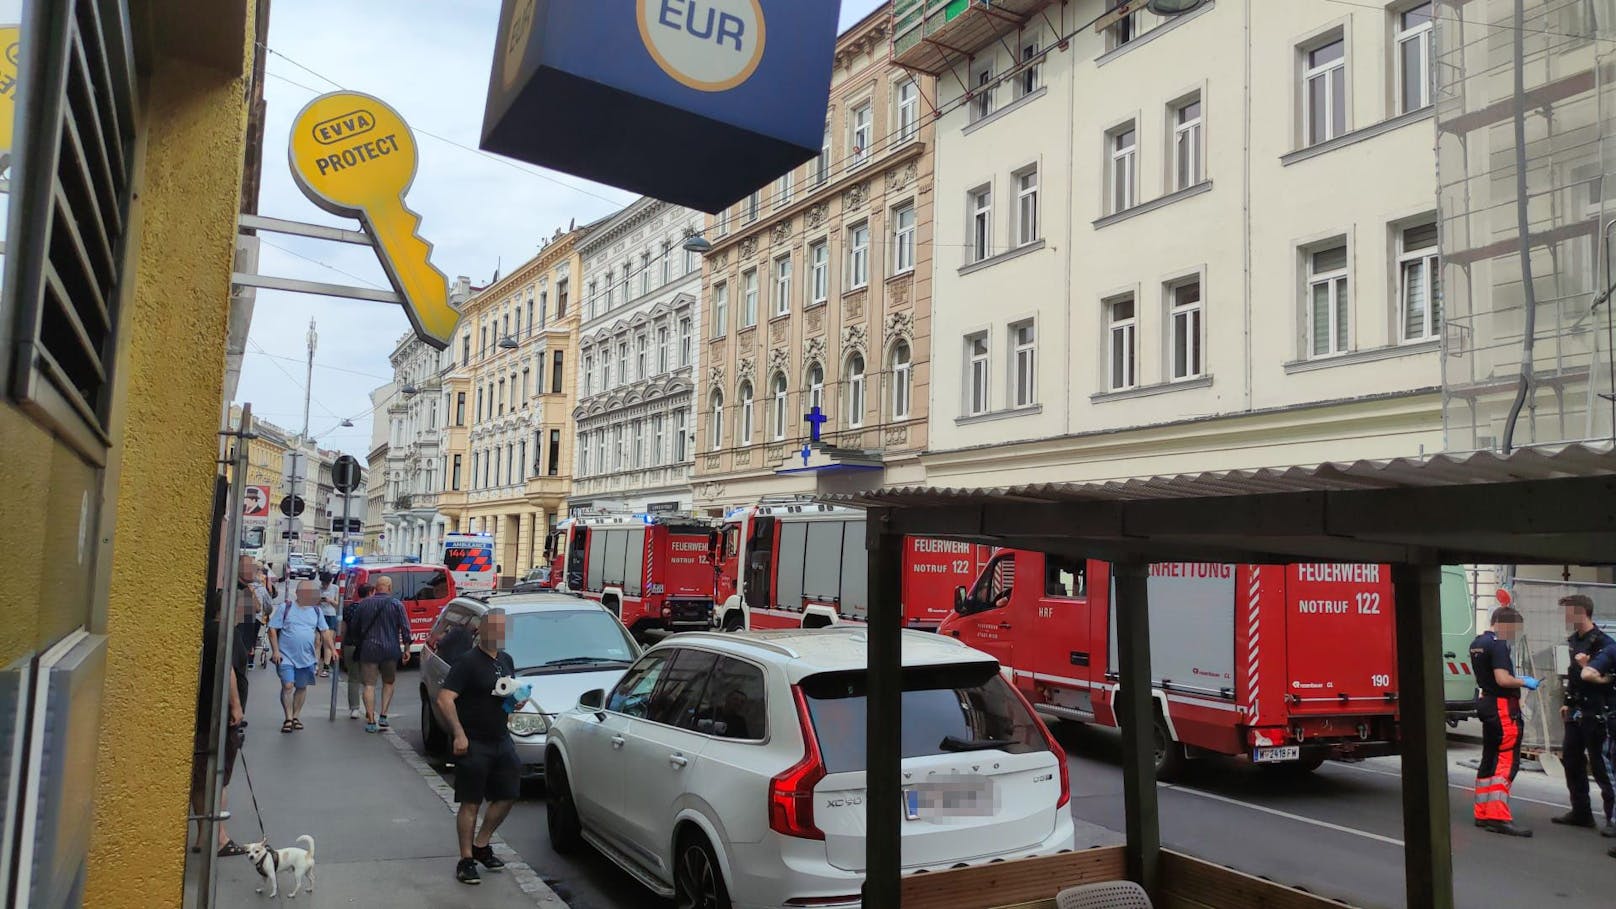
1054 747
791 793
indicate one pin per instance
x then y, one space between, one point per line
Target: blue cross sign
815 418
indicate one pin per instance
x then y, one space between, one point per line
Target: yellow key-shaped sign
353 155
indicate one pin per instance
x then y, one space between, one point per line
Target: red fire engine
1288 665
654 570
801 564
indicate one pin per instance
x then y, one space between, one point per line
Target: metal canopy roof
1544 505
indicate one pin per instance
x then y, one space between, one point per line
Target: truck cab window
993 587
1065 578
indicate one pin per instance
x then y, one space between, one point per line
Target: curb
524 875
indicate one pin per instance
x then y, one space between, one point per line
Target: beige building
818 295
509 398
1153 258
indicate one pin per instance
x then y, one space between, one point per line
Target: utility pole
308 381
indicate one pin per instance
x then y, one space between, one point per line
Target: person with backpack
384 642
296 635
350 653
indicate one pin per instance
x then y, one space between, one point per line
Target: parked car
732 765
425 590
562 645
536 579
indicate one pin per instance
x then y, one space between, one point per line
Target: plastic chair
1104 895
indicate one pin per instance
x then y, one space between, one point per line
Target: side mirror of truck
594 699
961 600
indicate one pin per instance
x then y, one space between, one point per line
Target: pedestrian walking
296 635
384 643
350 654
487 769
1583 715
329 596
1498 706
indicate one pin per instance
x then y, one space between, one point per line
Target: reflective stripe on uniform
1492 790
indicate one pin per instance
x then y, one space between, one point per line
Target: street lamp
508 343
410 390
696 243
346 424
1172 7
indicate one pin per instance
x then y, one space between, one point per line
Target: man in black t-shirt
1498 706
486 765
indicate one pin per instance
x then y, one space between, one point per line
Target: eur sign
708 45
354 156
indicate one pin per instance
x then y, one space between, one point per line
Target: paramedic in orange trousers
1499 708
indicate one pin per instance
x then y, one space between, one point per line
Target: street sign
355 525
345 473
10 52
292 506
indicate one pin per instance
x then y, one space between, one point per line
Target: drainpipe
1523 227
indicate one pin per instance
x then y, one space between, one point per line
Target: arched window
855 390
779 395
745 437
715 425
816 387
901 378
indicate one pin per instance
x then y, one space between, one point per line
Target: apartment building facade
375 531
637 361
816 341
413 523
1153 258
513 397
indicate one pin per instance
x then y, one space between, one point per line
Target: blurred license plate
950 797
1274 755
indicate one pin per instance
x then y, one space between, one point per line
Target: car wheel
433 740
560 815
697 881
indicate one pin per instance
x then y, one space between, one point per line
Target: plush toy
513 693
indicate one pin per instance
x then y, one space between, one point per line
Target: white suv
728 769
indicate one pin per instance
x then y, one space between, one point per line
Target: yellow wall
172 375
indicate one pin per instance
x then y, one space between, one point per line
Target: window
732 703
778 421
622 363
465 349
479 404
754 205
455 477
782 285
645 273
855 391
538 374
561 299
600 451
525 380
720 309
858 255
642 356
976 374
582 466
482 345
1187 327
819 265
685 339
637 452
1031 77
1122 358
591 299
476 465
782 190
690 261
1187 144
627 267
981 224
460 408
861 132
606 370
908 105
656 440
611 288
749 298
745 436
555 372
544 311
816 387
1420 294
521 460
620 454
1327 301
721 224
715 426
529 317
822 163
982 93
1027 207
1123 143
1023 364
903 239
679 437
493 479
661 349
553 467
1414 57
1126 29
667 262
1324 92
901 380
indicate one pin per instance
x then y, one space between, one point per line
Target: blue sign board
695 102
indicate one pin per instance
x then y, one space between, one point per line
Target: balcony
927 34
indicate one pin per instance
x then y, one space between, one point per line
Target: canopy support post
1137 711
1427 834
883 858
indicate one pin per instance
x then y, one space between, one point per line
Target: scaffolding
1526 169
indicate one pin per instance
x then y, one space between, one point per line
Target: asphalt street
1336 832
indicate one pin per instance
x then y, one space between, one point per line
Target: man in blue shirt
296 635
1597 671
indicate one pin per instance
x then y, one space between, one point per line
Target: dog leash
241 755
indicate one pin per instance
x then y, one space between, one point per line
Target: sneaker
1609 829
1573 819
485 854
372 727
466 872
382 722
1507 829
355 713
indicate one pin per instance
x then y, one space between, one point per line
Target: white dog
269 863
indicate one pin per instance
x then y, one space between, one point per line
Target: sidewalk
384 833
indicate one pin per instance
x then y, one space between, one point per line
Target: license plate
1275 755
949 797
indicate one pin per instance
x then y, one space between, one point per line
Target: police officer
1584 715
1498 706
1598 672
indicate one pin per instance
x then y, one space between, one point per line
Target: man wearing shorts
486 766
383 632
296 635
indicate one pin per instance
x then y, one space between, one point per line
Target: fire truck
799 563
1286 665
655 571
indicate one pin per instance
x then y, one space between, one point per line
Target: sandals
288 726
297 724
232 848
